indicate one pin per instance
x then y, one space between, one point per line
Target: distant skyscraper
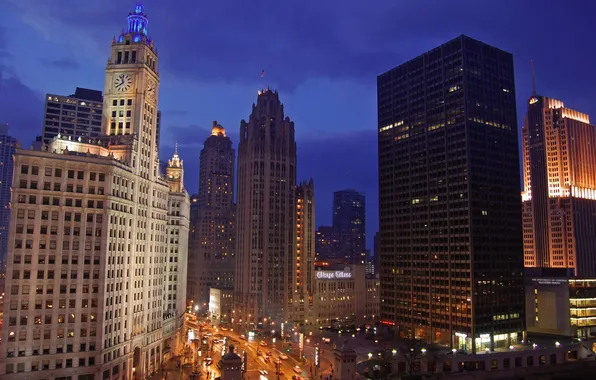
349 220
213 219
304 256
77 115
450 210
266 212
8 145
327 243
559 201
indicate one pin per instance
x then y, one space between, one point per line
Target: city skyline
343 80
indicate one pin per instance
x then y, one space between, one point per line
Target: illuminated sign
301 341
317 361
533 100
333 275
550 281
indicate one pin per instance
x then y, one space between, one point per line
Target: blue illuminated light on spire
137 24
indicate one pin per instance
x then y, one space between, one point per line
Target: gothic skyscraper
266 212
212 244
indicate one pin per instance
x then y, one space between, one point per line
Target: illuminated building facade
558 304
212 246
98 240
266 212
327 243
559 201
349 220
451 251
304 255
345 295
77 115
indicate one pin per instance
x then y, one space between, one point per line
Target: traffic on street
270 355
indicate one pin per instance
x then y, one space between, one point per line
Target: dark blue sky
322 56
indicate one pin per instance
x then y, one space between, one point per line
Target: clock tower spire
131 92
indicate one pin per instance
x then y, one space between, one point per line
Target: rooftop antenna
533 79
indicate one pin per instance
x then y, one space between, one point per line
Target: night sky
322 56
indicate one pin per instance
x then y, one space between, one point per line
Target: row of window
55 201
66 245
57 172
70 188
47 319
41 259
49 275
59 363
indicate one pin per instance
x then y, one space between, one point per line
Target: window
25 169
35 170
58 173
71 174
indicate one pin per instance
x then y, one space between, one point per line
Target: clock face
151 89
122 82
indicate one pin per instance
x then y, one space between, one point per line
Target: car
215 341
283 356
263 372
295 377
269 353
243 337
208 361
259 353
297 369
224 329
263 343
266 359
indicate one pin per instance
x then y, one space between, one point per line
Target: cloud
20 107
231 42
64 64
3 53
174 112
190 136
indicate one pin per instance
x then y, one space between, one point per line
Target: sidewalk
170 372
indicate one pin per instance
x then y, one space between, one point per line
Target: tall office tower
327 243
192 283
97 241
349 220
450 211
266 204
304 256
213 245
176 268
559 202
8 146
77 115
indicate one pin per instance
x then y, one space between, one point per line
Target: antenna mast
533 79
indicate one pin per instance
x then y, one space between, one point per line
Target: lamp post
277 368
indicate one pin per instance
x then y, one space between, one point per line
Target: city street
262 366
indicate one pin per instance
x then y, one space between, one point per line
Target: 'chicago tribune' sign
333 275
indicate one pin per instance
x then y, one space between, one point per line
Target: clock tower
131 92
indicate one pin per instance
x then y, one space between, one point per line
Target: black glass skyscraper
349 222
450 209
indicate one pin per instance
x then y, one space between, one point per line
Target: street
263 360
